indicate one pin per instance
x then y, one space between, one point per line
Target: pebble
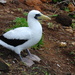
58 65
62 44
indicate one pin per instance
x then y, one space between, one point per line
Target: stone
71 7
62 44
33 2
69 29
64 20
37 8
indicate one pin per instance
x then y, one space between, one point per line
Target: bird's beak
44 17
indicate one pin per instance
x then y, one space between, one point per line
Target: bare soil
55 60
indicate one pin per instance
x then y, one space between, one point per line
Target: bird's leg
29 53
20 56
32 56
28 62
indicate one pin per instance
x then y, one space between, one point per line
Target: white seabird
22 38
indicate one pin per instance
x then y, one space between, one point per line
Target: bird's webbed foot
30 58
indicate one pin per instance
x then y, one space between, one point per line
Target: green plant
25 13
1 54
56 0
72 62
53 15
67 9
36 70
46 73
73 25
73 16
72 52
50 25
20 9
21 22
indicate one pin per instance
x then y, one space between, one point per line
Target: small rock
58 65
62 44
64 20
73 43
71 7
12 12
33 2
69 29
8 11
13 62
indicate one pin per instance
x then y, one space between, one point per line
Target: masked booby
22 38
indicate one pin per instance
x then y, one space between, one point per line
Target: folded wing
17 36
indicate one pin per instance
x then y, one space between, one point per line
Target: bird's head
38 15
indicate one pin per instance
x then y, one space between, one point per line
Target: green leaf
73 16
25 13
67 9
53 15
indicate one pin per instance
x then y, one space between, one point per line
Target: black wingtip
13 42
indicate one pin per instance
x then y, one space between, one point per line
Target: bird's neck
34 24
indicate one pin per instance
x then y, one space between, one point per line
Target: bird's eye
36 16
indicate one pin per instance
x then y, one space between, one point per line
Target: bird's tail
2 40
4 44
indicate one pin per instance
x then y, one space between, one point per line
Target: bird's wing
21 33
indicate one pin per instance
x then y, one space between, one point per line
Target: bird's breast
37 36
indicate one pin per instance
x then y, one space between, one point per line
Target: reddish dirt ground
55 60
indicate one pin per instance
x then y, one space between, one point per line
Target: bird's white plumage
19 33
33 33
24 37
